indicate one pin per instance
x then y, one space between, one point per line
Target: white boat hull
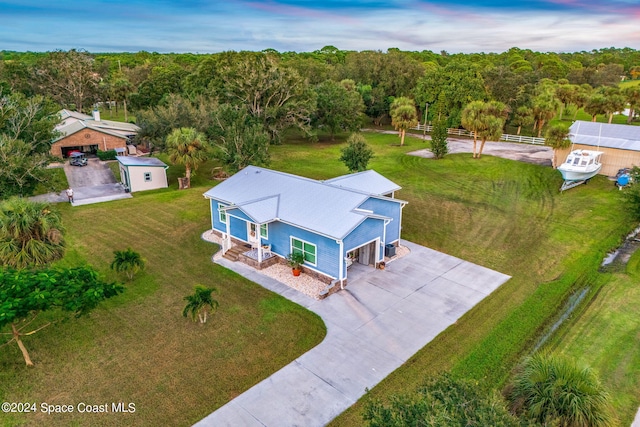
578 175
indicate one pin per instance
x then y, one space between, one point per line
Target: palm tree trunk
482 147
594 117
632 112
126 117
475 140
519 129
610 117
402 137
187 175
554 159
23 349
540 128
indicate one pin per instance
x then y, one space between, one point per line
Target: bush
107 155
357 154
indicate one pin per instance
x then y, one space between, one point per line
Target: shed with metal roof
142 173
619 143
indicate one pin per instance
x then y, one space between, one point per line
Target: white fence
505 137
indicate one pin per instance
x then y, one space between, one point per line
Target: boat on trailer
579 167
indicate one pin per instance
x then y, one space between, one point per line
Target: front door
252 234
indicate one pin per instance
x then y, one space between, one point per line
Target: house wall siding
327 250
386 208
370 229
104 141
137 182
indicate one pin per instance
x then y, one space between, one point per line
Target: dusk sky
207 26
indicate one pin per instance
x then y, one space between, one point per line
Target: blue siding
327 250
215 217
238 228
369 230
240 214
389 209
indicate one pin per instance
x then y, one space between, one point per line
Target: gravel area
304 283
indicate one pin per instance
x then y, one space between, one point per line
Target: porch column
228 236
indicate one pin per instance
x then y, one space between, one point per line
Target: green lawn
137 347
504 215
607 337
498 213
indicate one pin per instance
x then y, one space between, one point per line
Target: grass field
137 347
607 337
501 214
498 213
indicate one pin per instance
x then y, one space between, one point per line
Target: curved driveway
374 325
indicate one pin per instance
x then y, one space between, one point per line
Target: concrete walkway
374 325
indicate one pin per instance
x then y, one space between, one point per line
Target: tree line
243 101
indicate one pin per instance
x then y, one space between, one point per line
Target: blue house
333 223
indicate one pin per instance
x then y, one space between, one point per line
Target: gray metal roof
370 182
119 129
266 195
623 137
140 161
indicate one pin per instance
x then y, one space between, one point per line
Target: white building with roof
332 223
142 173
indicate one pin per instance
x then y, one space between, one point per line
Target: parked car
76 158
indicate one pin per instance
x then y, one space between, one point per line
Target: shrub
107 155
357 154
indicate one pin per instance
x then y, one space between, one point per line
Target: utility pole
424 130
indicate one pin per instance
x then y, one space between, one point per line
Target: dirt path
536 154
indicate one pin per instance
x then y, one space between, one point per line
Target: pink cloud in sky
457 13
297 11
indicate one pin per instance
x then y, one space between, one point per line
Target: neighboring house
89 134
142 173
332 223
619 143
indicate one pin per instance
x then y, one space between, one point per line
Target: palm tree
403 115
632 95
522 117
596 104
557 137
485 120
555 391
471 119
31 234
199 302
128 262
544 108
188 147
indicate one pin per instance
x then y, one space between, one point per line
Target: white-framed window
264 231
222 215
308 250
147 177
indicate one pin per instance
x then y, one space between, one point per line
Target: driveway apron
93 183
374 325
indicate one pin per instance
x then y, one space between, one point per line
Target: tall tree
596 104
338 108
239 138
20 168
557 137
70 77
555 391
188 147
615 101
522 117
31 233
545 106
439 135
199 303
26 293
403 115
486 121
356 154
277 96
632 96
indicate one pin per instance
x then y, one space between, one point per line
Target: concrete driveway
93 183
374 325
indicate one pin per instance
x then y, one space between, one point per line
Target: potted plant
295 261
